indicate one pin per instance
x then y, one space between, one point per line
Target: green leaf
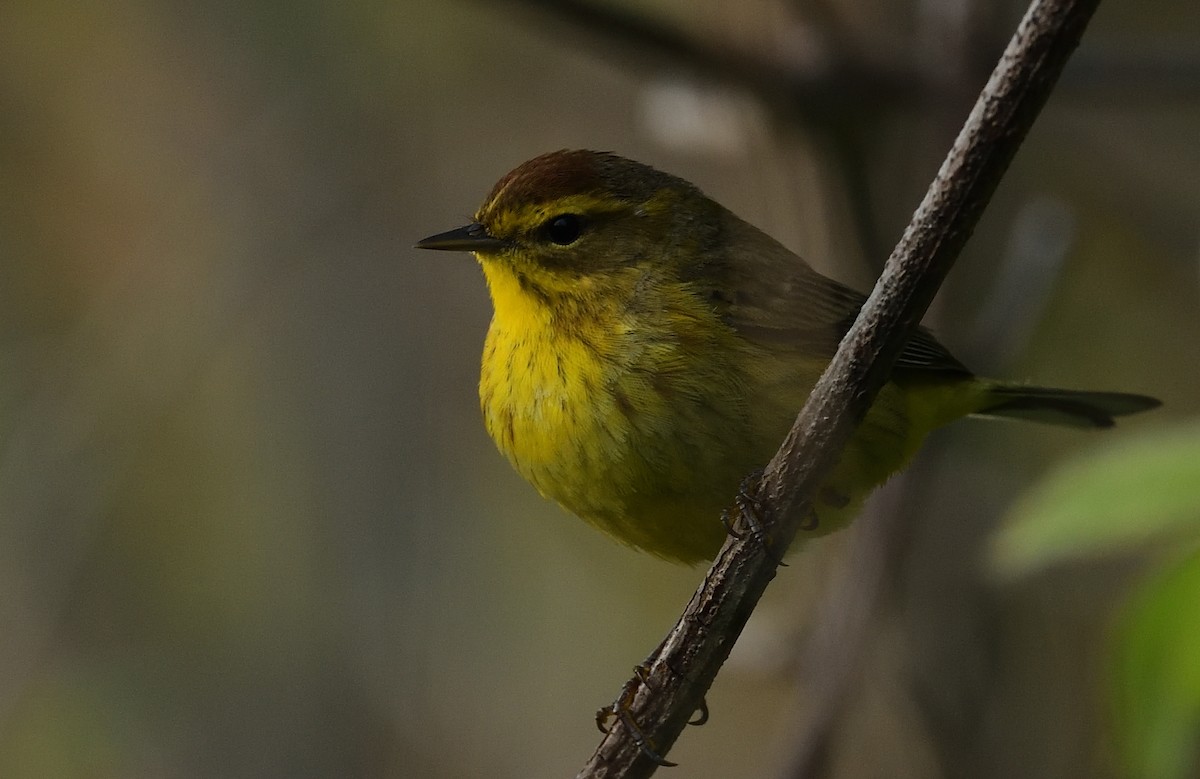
1129 492
1157 676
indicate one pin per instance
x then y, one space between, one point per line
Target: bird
649 349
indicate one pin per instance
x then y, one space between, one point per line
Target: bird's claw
727 521
748 509
619 709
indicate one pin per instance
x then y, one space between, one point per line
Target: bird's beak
472 238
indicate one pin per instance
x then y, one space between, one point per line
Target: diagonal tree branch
684 666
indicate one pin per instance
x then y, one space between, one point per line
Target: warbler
648 349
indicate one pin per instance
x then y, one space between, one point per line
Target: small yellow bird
649 349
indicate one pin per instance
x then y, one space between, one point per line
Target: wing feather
778 300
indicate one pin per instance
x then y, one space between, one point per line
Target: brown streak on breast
660 384
507 420
624 404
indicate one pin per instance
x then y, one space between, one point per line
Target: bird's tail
1062 407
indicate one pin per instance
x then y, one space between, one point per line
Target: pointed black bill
472 238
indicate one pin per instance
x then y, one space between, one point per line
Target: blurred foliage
1157 676
1122 497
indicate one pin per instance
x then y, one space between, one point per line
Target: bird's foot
619 710
749 509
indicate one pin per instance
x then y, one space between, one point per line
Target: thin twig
804 91
687 662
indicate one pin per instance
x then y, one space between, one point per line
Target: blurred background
250 522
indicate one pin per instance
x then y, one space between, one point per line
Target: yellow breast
540 388
539 393
637 426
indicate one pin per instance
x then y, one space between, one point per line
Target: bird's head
568 221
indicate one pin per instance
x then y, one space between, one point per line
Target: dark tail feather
1063 407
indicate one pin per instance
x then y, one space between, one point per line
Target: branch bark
684 666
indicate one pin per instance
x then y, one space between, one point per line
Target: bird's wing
779 300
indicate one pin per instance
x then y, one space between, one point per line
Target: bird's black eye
564 229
